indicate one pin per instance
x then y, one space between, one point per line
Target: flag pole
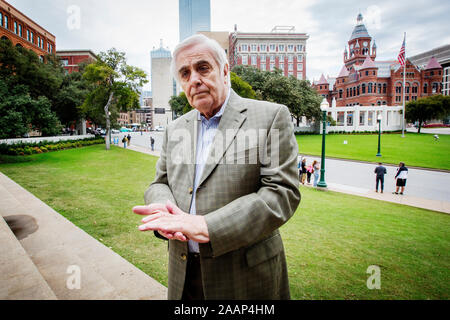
404 89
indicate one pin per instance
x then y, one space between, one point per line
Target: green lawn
330 242
420 150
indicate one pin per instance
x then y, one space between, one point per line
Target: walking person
401 176
129 139
316 169
125 140
152 143
303 169
380 171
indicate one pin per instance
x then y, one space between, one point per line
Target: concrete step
19 277
62 252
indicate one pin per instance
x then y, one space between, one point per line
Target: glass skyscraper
195 16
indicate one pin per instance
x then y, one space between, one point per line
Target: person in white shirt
401 176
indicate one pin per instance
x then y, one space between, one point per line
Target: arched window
384 87
363 88
379 88
369 90
425 88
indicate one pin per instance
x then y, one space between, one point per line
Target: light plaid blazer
243 204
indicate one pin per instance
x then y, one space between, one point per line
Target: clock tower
359 45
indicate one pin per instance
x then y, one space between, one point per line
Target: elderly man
220 207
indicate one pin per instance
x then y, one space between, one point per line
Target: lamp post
324 107
379 135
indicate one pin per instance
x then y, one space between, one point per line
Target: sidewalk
54 244
435 205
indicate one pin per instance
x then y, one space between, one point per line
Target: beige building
222 37
163 87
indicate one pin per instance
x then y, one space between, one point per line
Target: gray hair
218 53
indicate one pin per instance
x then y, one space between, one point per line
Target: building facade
71 59
24 32
364 81
194 16
163 87
282 48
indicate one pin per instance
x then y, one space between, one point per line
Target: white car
159 128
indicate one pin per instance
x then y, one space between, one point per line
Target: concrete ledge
58 244
19 277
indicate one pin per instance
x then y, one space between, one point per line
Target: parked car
123 129
115 131
159 128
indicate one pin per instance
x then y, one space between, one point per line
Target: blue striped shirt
205 135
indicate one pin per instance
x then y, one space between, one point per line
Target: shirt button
183 256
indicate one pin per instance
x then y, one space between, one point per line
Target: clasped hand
172 223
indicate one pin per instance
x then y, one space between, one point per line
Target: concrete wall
50 139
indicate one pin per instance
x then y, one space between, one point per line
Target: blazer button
191 190
183 256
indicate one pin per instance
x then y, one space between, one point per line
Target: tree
20 113
428 108
115 87
180 104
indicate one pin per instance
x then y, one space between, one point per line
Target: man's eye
203 68
184 74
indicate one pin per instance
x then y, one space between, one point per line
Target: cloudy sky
136 26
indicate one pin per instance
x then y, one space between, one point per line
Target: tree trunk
108 122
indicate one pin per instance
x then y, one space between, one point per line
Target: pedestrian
129 139
401 176
309 171
222 220
303 168
299 166
152 143
380 171
316 169
125 140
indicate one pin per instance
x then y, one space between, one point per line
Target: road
353 176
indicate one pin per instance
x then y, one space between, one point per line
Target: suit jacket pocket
264 250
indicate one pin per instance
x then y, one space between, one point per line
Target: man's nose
196 79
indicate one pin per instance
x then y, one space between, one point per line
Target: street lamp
324 107
379 135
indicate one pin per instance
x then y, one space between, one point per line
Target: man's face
202 80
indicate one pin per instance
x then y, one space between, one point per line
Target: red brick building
71 59
367 82
24 32
282 48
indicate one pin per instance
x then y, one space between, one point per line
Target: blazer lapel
191 125
232 119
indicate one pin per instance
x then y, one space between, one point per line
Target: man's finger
150 209
172 208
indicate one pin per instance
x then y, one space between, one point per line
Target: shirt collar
218 114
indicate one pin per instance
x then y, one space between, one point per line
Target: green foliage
115 88
428 108
20 149
297 95
180 104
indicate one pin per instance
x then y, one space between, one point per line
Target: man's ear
226 71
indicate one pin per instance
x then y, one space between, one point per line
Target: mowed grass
419 150
330 242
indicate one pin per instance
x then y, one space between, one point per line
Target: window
379 88
254 48
362 118
384 87
39 41
425 88
20 30
299 75
290 47
272 48
299 66
263 58
32 37
290 58
65 62
272 66
160 111
245 60
254 60
299 58
15 27
28 35
281 48
1 19
369 90
357 90
367 73
281 57
291 67
281 66
363 88
263 66
263 47
41 58
299 48
272 58
435 87
244 48
6 22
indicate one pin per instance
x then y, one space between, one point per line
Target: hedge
23 149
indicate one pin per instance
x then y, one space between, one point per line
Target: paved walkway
56 250
433 198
